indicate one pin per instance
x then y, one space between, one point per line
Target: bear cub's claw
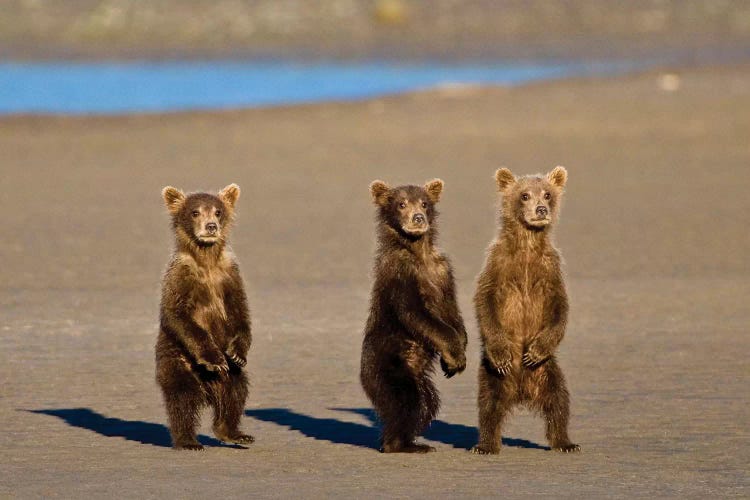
504 367
568 448
239 439
214 362
418 448
190 447
499 359
532 359
407 448
447 371
237 359
452 365
221 369
480 450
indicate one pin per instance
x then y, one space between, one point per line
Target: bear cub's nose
418 219
211 227
541 211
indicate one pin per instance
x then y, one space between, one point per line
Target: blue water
138 87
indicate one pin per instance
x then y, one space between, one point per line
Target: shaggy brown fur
522 309
413 318
204 330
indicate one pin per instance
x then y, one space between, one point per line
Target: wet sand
651 230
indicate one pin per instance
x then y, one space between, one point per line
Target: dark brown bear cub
413 318
204 330
522 309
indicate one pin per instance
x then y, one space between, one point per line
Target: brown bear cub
522 309
413 317
204 330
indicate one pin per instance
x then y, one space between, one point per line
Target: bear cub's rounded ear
504 178
173 198
230 194
434 188
558 176
379 191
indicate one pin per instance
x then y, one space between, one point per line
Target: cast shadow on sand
367 436
131 430
322 429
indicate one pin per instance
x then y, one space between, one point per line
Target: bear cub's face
532 201
407 209
202 218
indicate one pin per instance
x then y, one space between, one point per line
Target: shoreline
687 51
445 90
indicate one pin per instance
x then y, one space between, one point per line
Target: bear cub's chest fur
209 291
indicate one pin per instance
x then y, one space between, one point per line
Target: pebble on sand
669 82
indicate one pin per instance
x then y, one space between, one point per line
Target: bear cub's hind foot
568 448
406 448
484 450
191 446
234 437
238 439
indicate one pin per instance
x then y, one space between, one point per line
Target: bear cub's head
202 219
410 210
532 201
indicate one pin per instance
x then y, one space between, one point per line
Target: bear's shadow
131 430
323 429
342 432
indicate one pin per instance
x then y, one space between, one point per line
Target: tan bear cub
204 333
522 308
414 317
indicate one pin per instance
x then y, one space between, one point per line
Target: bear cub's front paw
501 360
535 355
235 358
453 363
214 361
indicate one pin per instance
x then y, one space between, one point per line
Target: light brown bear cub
204 333
522 310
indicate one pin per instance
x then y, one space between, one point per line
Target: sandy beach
656 265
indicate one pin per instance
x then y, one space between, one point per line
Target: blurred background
89 56
369 28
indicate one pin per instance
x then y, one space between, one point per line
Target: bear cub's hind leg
553 402
407 404
229 405
494 405
182 415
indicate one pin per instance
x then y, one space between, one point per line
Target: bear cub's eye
196 213
402 205
218 213
525 196
424 204
547 196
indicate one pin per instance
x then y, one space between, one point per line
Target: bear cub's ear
558 177
379 191
230 194
173 199
504 178
434 188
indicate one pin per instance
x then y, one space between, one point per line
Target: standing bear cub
522 309
204 330
413 317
